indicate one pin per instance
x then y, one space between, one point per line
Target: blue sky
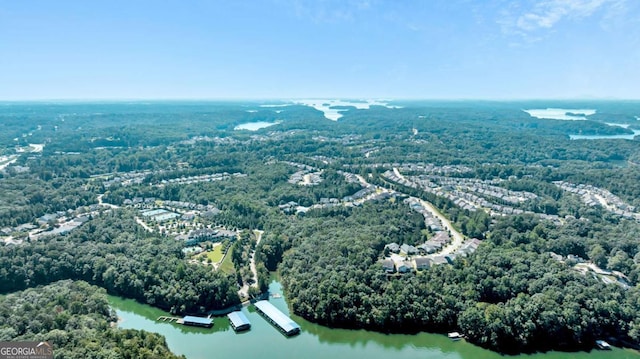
427 49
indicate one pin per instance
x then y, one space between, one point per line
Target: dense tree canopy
111 251
76 319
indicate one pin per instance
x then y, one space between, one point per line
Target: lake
254 126
565 114
315 341
605 137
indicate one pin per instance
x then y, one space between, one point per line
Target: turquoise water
315 341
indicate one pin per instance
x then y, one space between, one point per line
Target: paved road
100 202
363 181
6 164
458 238
252 263
144 225
244 291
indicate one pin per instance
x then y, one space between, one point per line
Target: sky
281 49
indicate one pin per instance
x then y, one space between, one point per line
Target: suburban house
408 249
388 266
393 247
426 248
405 267
439 260
423 263
469 247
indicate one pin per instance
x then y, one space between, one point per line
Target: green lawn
215 255
227 264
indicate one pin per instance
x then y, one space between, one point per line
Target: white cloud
546 14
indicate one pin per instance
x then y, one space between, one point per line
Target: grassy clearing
227 264
215 255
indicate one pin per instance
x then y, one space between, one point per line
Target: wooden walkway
167 319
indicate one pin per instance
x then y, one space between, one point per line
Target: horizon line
294 99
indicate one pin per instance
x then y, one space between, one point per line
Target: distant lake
565 114
332 109
605 137
315 341
254 126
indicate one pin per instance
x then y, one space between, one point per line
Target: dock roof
282 320
238 319
197 320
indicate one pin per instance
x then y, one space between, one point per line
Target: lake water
328 107
561 113
254 126
264 341
605 137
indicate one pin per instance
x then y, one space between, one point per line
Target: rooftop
282 320
238 319
197 320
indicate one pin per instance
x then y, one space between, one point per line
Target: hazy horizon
293 100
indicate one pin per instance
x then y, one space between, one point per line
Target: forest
113 252
76 319
512 295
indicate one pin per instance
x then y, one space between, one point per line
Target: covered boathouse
280 320
239 321
197 321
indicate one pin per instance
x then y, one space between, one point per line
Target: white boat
603 345
454 336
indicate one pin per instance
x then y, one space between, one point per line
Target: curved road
458 238
101 203
244 291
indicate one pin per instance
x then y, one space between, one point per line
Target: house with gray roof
388 266
436 260
408 249
393 247
423 263
426 248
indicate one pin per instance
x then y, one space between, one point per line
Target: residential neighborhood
407 258
470 194
594 196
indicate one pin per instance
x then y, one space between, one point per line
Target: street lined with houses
471 194
593 196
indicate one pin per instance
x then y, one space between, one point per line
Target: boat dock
239 321
167 319
188 320
280 320
196 321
